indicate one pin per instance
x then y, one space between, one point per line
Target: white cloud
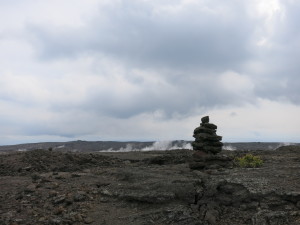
265 121
16 15
148 70
237 85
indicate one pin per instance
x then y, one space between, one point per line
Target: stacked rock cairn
206 138
207 145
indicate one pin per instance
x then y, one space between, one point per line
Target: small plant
249 160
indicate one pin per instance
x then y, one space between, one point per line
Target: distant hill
255 145
81 146
93 146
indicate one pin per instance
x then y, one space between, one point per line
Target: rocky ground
51 187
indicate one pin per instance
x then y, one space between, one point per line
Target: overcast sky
149 69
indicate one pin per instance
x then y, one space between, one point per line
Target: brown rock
59 210
205 119
212 149
202 129
80 196
59 199
88 220
197 165
202 137
30 188
209 125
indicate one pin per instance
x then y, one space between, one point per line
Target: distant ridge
82 146
94 146
255 145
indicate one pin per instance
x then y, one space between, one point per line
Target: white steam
285 144
229 148
156 146
166 145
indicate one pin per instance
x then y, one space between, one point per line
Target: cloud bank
148 70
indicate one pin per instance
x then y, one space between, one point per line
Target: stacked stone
206 139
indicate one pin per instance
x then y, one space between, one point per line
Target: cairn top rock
205 119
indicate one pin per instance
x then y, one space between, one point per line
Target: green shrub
249 160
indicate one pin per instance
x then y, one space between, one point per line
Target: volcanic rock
113 192
205 119
207 145
206 139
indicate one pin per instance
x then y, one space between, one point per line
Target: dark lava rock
206 138
146 192
207 145
80 196
205 119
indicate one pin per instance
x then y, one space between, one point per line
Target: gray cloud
280 57
136 69
136 31
179 44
